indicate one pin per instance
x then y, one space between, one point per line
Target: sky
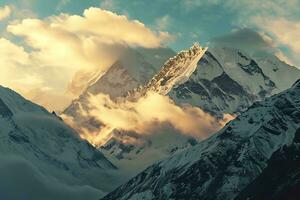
45 43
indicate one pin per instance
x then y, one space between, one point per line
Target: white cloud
163 22
285 33
5 12
62 3
285 59
248 8
13 60
193 4
111 27
107 4
274 17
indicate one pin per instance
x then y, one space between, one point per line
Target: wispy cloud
163 22
285 32
247 40
62 4
277 19
108 4
5 12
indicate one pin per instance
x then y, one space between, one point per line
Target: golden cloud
285 32
4 12
111 28
144 116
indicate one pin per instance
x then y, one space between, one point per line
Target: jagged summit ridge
175 71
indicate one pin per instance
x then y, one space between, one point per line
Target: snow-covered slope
282 74
223 165
281 178
133 152
42 139
228 81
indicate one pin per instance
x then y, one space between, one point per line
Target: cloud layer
146 116
248 40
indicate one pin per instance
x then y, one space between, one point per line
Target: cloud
111 28
64 45
5 12
258 43
108 4
13 60
48 97
163 22
285 59
254 7
145 116
22 72
278 20
247 40
62 3
21 180
194 4
285 33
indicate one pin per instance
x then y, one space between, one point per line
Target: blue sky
187 24
187 20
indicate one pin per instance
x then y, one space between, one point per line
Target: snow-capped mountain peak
175 71
228 80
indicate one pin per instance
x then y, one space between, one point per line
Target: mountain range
262 93
224 81
223 166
